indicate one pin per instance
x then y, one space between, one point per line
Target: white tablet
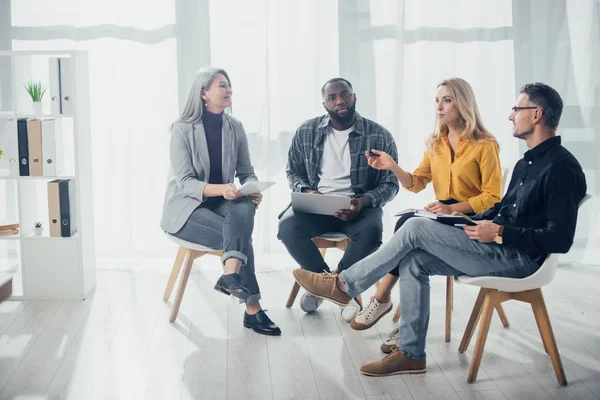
255 187
319 203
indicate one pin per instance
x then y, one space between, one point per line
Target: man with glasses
536 217
327 156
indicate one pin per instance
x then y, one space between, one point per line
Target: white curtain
278 54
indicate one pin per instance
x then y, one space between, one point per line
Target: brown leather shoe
321 285
394 363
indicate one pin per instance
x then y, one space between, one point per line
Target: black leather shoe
231 284
260 323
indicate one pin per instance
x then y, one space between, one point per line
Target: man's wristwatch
498 238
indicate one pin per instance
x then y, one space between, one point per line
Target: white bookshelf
47 267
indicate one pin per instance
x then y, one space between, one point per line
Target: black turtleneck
213 125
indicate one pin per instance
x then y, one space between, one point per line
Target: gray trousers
227 225
423 247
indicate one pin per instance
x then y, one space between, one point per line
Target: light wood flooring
118 344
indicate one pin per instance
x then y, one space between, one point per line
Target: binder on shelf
67 207
54 208
52 150
34 140
23 147
11 148
60 86
61 207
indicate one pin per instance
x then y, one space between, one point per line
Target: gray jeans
421 248
226 225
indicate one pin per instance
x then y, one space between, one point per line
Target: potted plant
38 229
36 91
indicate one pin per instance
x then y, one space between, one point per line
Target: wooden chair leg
484 326
502 315
293 294
174 272
541 314
449 306
537 321
187 268
475 314
450 292
396 316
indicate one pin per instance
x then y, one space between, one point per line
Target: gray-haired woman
202 205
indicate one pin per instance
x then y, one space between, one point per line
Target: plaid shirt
306 152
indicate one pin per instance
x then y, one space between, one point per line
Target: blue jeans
423 247
227 225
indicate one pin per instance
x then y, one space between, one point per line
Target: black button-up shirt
539 210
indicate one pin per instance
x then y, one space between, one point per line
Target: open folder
454 220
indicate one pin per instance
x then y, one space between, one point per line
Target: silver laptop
318 203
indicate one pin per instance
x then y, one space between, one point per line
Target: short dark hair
332 80
547 99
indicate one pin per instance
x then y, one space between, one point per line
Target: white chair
495 290
188 251
450 291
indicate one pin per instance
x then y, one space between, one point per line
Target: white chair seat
541 277
189 245
333 236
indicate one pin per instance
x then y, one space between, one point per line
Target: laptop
318 203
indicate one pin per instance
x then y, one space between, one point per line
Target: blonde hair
468 114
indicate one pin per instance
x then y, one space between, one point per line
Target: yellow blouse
474 176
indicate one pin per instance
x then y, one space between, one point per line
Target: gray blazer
190 167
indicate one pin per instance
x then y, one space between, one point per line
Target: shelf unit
48 267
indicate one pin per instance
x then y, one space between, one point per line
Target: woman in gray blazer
202 204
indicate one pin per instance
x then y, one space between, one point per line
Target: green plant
38 224
1 153
35 90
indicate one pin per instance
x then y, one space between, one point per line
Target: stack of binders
38 146
61 208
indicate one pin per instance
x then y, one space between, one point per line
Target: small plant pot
38 231
37 107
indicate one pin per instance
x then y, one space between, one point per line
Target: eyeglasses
517 109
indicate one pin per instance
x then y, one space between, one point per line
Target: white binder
61 96
52 148
9 142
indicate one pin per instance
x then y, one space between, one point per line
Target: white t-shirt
334 174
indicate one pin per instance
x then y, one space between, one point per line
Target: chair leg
475 314
293 294
450 291
449 306
323 251
537 321
396 316
187 268
484 326
502 315
541 315
174 272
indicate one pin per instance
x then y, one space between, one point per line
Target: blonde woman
461 159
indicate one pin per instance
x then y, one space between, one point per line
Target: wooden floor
118 344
